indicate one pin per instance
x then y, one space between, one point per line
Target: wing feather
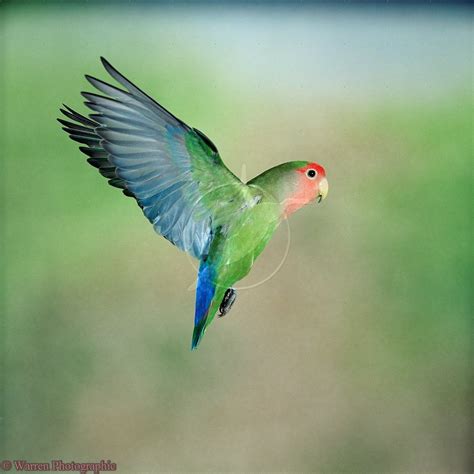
173 171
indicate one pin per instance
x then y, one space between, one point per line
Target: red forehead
313 166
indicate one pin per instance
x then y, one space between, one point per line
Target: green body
245 229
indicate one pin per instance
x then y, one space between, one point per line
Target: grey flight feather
142 149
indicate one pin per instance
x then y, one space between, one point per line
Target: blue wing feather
143 149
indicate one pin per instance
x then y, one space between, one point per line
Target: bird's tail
198 332
205 291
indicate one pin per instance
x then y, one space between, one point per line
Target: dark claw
227 302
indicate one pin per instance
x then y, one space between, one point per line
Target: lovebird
177 177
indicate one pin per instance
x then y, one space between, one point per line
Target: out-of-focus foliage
354 356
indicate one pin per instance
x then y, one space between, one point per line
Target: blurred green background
355 356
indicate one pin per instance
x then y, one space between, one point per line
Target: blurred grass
354 357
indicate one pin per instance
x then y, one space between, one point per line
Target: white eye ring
312 174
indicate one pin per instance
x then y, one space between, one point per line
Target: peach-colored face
312 184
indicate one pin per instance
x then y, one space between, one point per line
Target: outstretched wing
173 171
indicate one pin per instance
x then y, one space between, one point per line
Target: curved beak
323 189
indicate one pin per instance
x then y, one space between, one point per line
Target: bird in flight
185 190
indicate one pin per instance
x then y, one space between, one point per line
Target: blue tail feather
204 295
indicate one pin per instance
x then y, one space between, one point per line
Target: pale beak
323 189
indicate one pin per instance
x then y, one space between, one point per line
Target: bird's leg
227 301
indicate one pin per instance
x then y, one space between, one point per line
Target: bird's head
294 184
309 184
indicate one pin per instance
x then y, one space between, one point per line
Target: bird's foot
227 302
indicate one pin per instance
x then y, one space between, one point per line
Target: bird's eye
311 174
